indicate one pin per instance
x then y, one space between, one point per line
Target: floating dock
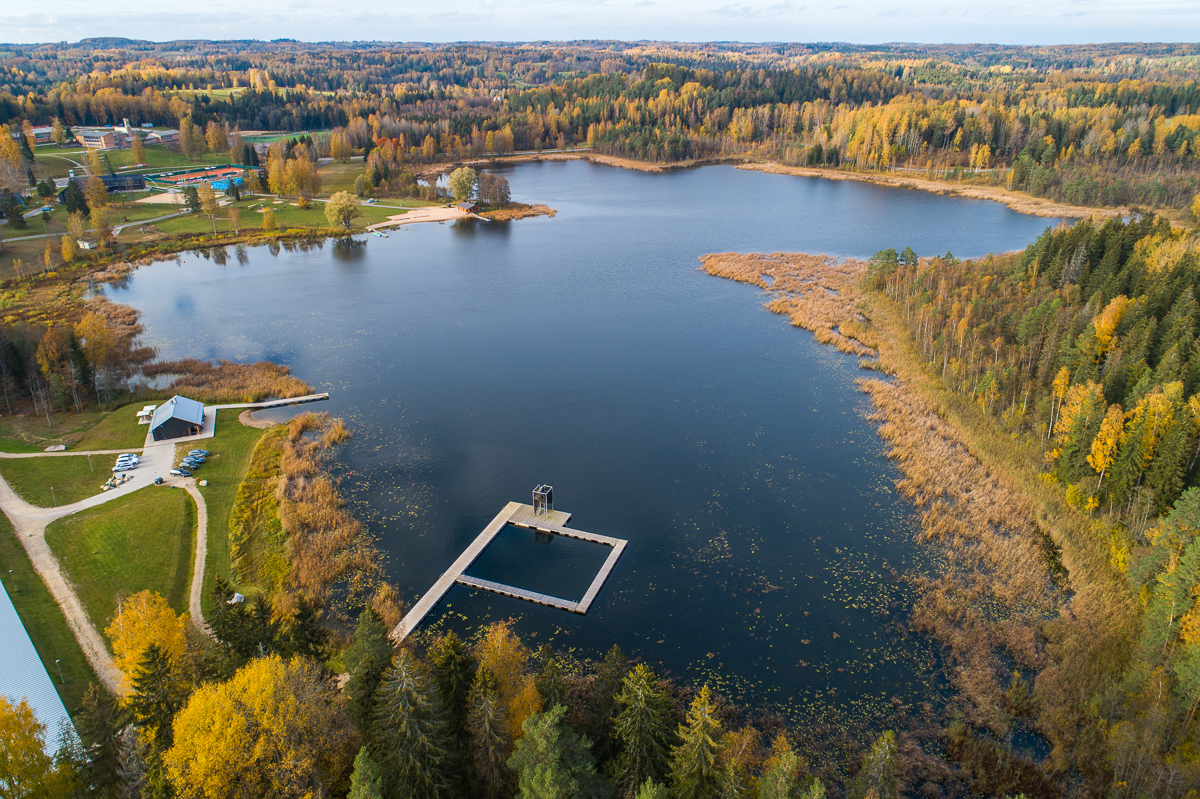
519 515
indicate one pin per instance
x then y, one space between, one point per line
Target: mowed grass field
44 622
72 478
141 542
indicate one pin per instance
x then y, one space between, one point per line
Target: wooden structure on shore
519 515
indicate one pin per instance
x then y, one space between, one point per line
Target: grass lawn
231 449
143 541
71 478
117 430
287 215
43 620
339 177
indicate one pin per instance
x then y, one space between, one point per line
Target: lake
665 406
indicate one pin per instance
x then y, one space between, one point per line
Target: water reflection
667 407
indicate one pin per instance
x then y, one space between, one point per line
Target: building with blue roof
176 418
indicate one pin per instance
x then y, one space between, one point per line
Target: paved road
116 229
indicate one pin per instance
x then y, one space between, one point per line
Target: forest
1090 125
1083 348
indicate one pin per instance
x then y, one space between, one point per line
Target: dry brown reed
226 381
518 211
816 292
992 600
330 559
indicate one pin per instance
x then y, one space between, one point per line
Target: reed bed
226 381
518 211
295 523
816 292
1032 621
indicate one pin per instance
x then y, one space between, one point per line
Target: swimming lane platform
520 515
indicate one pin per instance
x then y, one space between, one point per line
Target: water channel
665 406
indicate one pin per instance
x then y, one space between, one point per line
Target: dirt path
196 591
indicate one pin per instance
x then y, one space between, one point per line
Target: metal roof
24 676
177 407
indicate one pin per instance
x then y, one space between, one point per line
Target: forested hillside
1095 125
1085 346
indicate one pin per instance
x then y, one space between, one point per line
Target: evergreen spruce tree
652 790
100 721
408 731
490 745
1168 470
642 730
552 761
878 773
695 769
156 696
549 681
453 672
365 661
602 704
304 634
366 781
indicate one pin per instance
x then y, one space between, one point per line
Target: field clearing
140 542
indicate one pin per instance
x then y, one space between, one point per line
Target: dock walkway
519 515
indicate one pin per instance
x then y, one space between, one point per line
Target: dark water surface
665 406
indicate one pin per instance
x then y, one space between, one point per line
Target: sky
858 21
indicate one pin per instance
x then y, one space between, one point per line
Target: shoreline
1017 201
994 527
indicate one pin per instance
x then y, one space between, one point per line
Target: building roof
24 676
177 407
467 205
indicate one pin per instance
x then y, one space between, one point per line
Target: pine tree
554 762
549 681
100 721
651 790
365 660
695 770
157 695
453 672
366 781
602 703
490 744
878 773
642 730
408 731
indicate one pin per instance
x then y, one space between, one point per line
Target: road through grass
143 541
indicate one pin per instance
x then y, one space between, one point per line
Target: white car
129 456
124 466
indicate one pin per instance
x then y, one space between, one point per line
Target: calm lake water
665 406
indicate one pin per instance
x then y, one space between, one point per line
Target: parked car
190 465
372 201
195 458
123 466
129 457
203 453
180 472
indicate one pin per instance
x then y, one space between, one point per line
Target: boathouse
467 207
176 418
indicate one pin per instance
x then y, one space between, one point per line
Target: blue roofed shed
176 418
